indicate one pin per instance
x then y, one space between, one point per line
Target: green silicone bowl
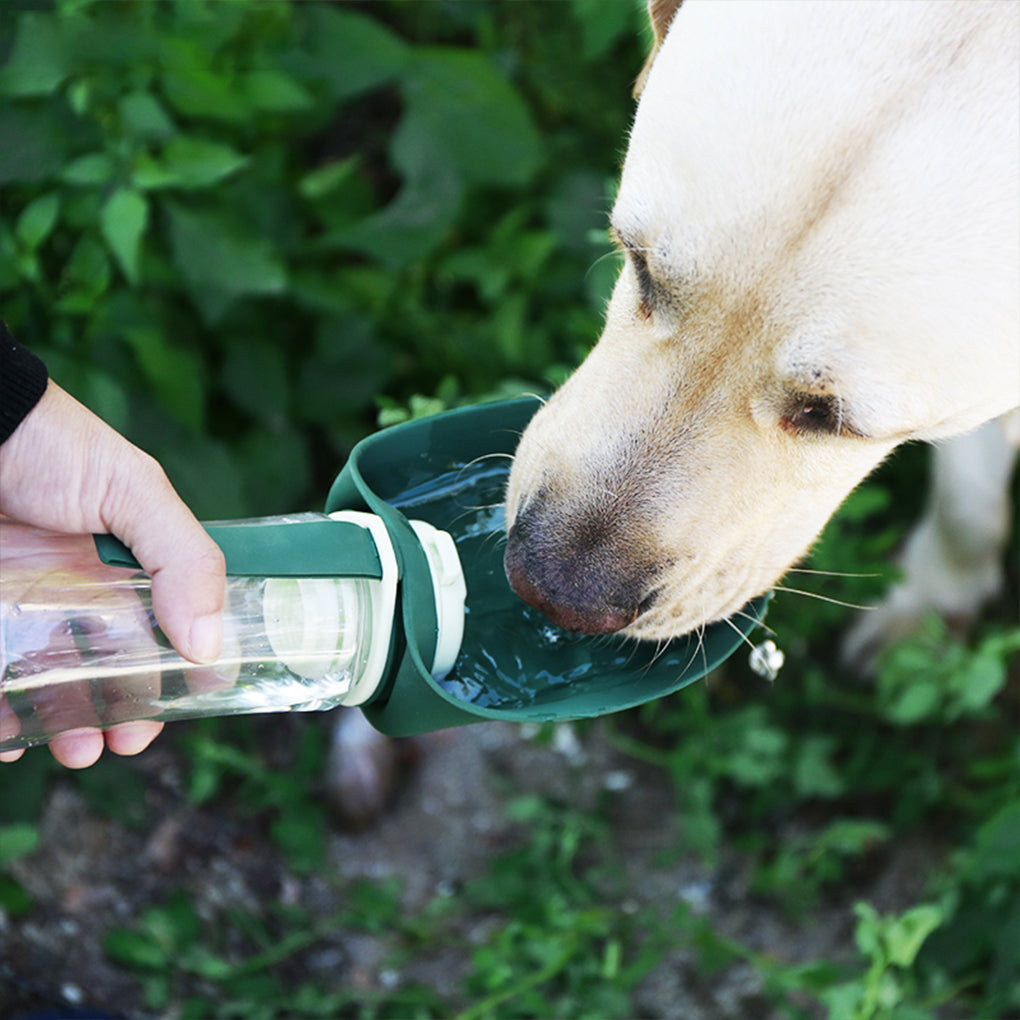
514 665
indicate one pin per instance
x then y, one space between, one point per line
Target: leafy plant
171 949
891 945
974 948
932 678
247 233
197 206
804 864
17 840
221 760
557 950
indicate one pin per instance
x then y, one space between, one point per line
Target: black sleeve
23 379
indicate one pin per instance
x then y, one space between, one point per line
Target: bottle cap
450 592
318 626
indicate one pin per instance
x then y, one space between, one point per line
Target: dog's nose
581 587
569 610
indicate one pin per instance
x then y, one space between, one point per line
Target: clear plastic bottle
79 645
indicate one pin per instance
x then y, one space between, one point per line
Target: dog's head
799 269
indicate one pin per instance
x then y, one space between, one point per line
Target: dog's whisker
754 619
474 508
494 538
704 655
821 598
612 253
694 655
661 644
487 456
743 637
829 573
543 400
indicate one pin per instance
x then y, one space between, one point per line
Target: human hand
66 470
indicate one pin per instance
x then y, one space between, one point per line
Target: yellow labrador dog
820 213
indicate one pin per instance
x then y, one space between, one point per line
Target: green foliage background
235 229
246 233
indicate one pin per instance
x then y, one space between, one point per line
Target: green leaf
413 224
188 163
346 369
197 162
275 92
842 1000
851 837
38 64
134 949
463 123
17 841
255 376
144 116
867 934
983 676
996 853
300 832
37 220
85 277
327 178
173 925
917 702
14 898
175 375
602 24
220 255
32 144
463 114
278 469
208 477
123 220
814 773
90 170
350 51
193 88
150 173
198 960
103 392
905 934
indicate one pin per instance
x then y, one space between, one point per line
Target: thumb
65 469
185 564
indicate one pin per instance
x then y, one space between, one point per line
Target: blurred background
249 233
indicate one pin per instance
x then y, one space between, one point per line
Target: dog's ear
661 14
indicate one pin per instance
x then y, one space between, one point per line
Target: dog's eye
813 414
635 250
646 285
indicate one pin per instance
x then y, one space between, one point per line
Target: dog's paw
362 770
903 612
874 630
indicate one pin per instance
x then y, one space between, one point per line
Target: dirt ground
89 874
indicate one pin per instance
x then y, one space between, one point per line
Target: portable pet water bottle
308 624
393 600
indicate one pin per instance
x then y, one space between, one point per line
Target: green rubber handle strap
316 548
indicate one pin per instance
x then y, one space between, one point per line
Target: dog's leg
361 773
952 560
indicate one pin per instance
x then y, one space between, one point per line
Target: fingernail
206 638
